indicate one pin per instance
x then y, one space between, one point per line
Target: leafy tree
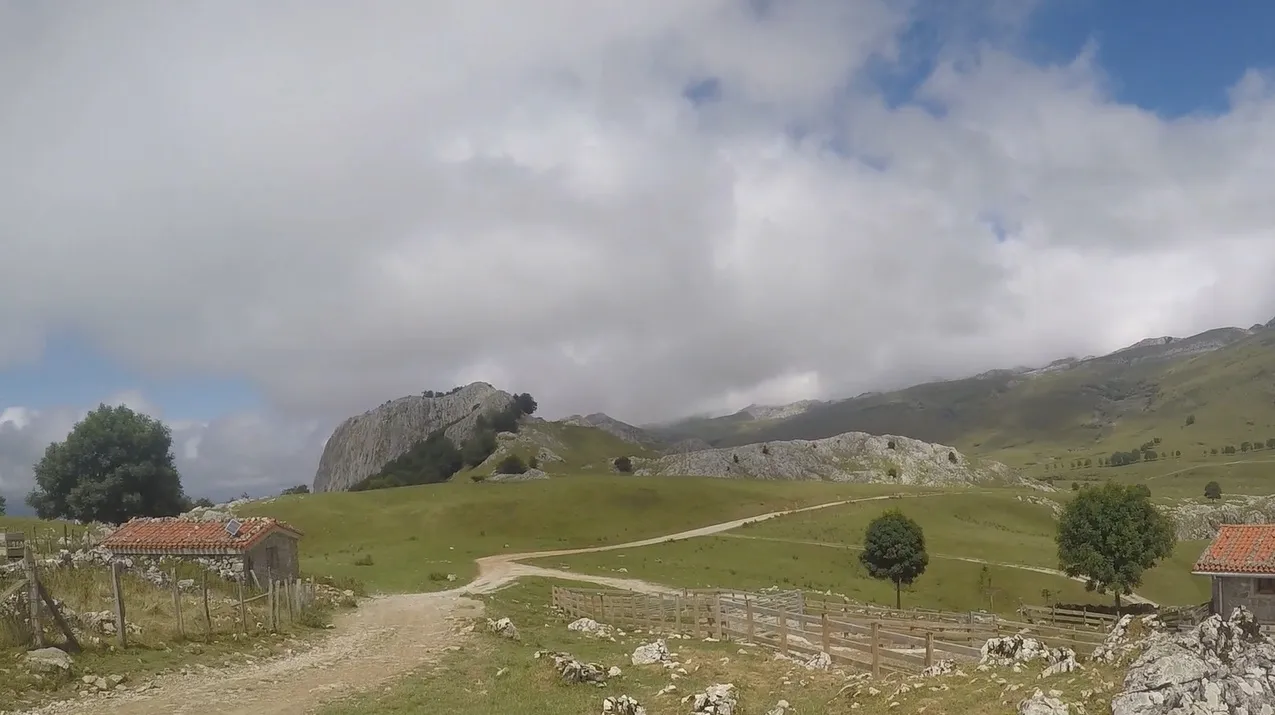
890 444
1 505
1110 535
1075 486
1190 420
1213 491
894 550
114 465
1213 451
623 464
511 464
1177 453
765 449
1088 462
298 489
525 403
1245 446
533 462
1270 443
951 457
205 502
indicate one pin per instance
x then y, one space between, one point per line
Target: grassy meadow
818 551
411 538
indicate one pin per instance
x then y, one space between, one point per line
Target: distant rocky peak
778 412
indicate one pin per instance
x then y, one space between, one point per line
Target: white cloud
347 204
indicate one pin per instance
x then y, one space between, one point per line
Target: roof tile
173 534
1240 548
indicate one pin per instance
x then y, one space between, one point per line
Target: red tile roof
173 535
1242 549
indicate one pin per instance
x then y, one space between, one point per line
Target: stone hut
1241 563
262 547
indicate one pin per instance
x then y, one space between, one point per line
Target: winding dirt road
385 638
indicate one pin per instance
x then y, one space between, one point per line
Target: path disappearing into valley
385 638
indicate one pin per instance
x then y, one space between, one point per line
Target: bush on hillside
511 464
298 489
1 505
623 465
1110 536
1213 491
533 463
115 464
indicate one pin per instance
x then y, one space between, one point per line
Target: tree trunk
898 595
1117 603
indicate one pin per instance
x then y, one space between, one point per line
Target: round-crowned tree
1110 535
894 550
114 465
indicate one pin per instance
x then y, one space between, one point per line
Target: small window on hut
1266 586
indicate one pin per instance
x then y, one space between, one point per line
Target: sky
254 219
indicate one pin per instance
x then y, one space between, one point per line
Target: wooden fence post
677 605
717 616
243 607
876 649
177 606
207 613
825 633
748 612
783 630
929 648
270 605
290 590
33 595
117 590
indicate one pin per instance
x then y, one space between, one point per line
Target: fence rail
875 639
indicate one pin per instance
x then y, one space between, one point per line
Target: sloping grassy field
411 538
818 551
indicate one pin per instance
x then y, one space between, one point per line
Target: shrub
890 444
892 473
623 465
765 449
511 464
533 463
951 457
364 560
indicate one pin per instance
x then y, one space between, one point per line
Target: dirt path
1131 598
386 637
1206 465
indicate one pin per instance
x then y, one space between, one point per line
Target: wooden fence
205 606
875 639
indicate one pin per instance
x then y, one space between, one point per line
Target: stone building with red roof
267 548
1241 563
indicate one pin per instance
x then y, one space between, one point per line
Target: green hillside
1094 407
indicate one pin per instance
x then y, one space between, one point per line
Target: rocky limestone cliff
361 445
1201 521
849 457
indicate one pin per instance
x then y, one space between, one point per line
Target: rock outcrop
1220 666
362 445
615 428
849 457
1201 521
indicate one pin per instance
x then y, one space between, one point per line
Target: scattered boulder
49 661
651 653
623 705
940 668
1125 638
1220 666
1018 649
504 627
574 672
1041 704
588 626
715 700
781 708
